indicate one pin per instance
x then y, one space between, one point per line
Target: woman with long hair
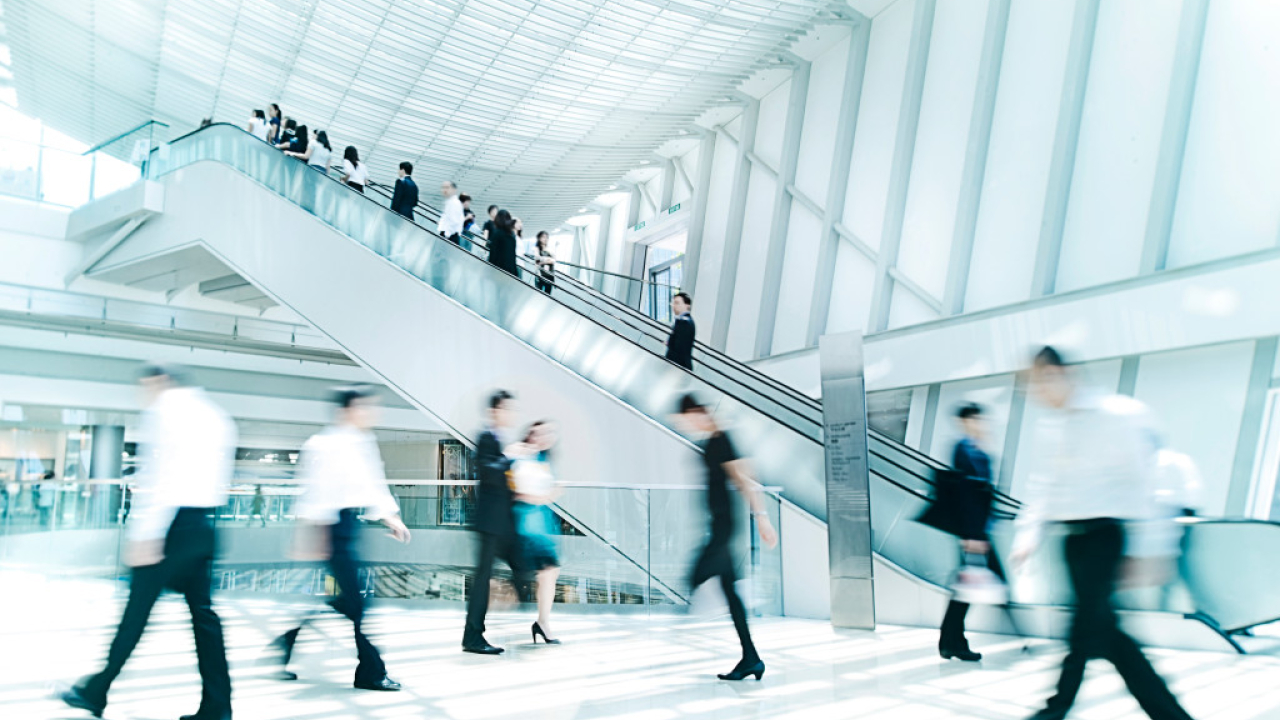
534 488
317 153
354 172
502 243
258 126
274 118
546 261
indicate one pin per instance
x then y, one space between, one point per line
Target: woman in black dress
502 243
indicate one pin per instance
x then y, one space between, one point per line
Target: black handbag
960 505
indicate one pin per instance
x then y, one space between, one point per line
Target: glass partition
617 546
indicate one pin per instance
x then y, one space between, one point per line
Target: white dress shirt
358 174
1094 459
188 451
341 469
451 218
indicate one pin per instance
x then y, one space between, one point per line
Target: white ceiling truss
537 105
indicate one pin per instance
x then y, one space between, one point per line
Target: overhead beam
775 250
1173 136
837 187
1066 139
904 146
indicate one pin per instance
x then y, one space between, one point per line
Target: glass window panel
111 174
18 161
55 139
16 126
64 178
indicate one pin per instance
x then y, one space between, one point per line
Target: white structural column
602 244
697 223
1066 140
904 146
668 184
1251 422
1173 136
846 129
975 157
775 251
737 219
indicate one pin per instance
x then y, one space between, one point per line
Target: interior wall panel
751 260
946 107
882 86
1120 129
722 167
822 111
1229 195
770 125
851 294
1032 72
798 270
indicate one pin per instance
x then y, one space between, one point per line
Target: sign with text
844 419
671 210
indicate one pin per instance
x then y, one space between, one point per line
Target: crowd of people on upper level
502 233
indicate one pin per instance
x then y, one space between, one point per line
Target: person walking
1093 476
341 474
495 524
534 488
973 465
354 173
546 262
188 449
683 332
502 243
405 197
450 225
724 465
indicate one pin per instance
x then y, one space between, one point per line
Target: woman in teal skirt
537 525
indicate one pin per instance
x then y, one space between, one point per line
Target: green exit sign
673 208
639 226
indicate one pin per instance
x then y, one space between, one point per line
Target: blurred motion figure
188 447
1094 475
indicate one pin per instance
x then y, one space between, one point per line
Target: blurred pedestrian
450 225
502 243
724 465
341 473
274 119
188 447
1093 476
258 125
535 489
495 522
354 172
546 262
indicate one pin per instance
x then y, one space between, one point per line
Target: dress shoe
744 670
76 698
386 684
961 653
286 675
483 648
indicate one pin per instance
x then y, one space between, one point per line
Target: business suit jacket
680 343
405 198
494 501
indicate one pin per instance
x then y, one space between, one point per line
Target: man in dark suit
680 343
494 525
405 198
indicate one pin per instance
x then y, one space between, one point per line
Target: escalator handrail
434 235
905 449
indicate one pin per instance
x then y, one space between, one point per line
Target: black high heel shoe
744 670
537 630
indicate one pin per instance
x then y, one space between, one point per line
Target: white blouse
355 174
319 156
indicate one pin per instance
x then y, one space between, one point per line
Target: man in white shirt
1094 476
451 217
342 476
188 450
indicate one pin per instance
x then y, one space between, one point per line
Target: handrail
806 401
124 134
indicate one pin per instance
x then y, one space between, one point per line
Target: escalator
444 328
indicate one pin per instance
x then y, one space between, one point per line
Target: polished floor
611 666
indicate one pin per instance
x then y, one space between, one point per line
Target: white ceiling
537 105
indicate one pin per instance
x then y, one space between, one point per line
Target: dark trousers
188 560
492 546
952 635
344 564
356 186
1094 549
455 239
543 285
716 560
